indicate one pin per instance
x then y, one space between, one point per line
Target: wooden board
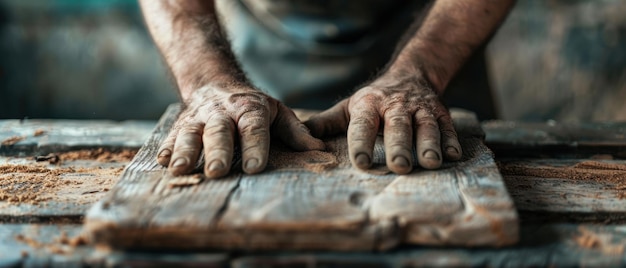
42 136
567 189
463 203
558 140
91 154
541 245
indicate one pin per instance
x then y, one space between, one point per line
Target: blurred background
93 59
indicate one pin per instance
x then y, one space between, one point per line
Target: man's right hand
216 117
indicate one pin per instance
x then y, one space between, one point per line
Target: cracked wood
294 206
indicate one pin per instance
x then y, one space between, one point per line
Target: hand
411 112
215 116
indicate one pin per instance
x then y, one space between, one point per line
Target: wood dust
315 161
592 240
35 182
12 140
99 154
587 170
63 244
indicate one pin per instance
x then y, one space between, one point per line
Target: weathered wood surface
592 189
43 136
552 139
541 245
290 206
82 182
77 186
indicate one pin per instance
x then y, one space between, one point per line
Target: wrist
210 79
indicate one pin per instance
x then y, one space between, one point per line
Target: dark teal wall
552 59
79 59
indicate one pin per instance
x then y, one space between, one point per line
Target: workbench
567 182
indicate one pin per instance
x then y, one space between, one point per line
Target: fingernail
252 163
180 162
165 153
362 160
430 154
216 165
401 161
452 150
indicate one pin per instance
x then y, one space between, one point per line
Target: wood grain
556 140
43 136
297 205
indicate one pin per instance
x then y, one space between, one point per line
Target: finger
427 140
186 149
219 141
362 130
164 154
398 137
254 135
449 139
330 122
293 133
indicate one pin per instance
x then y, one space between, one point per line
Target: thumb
330 122
293 133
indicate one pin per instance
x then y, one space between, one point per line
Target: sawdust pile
99 154
315 161
587 170
35 183
591 240
12 140
63 244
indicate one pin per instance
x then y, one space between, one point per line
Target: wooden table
567 182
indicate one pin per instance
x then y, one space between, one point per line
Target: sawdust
592 240
37 182
38 132
183 181
12 140
315 161
99 154
62 245
612 173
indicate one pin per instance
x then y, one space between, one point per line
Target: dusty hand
411 113
215 118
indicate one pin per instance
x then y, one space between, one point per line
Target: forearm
448 36
191 40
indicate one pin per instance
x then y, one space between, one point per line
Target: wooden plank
581 187
313 201
39 191
541 245
91 154
32 137
552 139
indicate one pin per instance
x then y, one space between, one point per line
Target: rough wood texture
298 206
581 140
41 136
541 245
580 189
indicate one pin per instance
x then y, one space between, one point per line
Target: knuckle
449 133
426 122
363 122
248 99
399 120
253 127
220 128
191 129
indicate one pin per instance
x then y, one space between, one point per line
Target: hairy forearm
448 36
191 40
